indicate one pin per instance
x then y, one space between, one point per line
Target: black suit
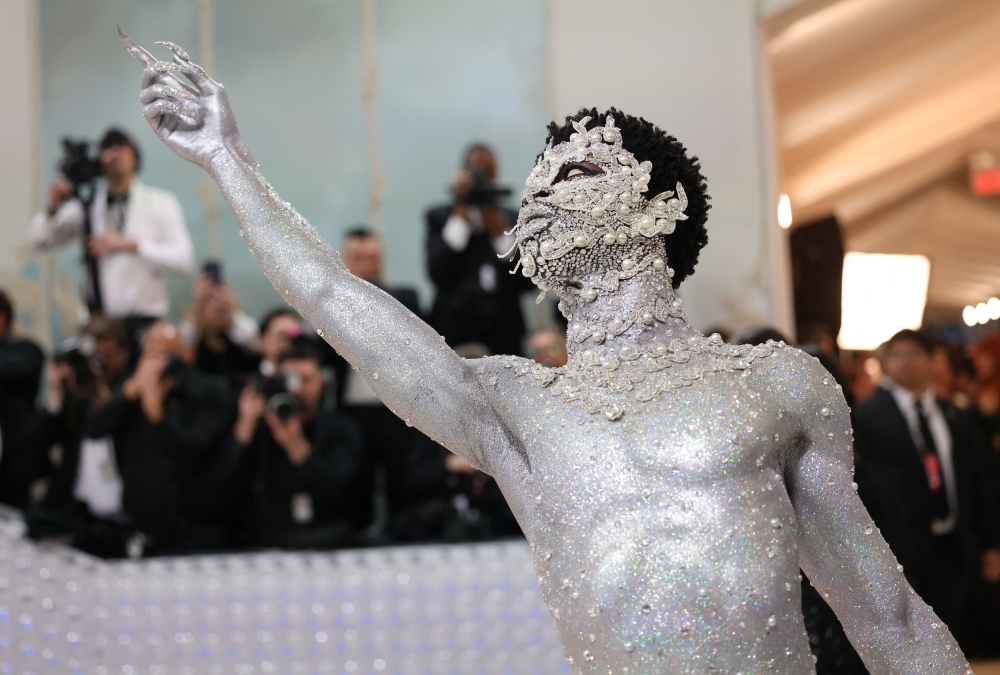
305 506
465 308
894 486
20 371
171 480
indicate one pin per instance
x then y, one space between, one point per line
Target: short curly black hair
671 165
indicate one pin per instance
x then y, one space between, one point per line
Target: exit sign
984 173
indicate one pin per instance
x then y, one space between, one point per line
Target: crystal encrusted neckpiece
613 384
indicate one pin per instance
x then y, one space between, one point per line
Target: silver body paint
670 486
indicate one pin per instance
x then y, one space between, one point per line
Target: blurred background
852 150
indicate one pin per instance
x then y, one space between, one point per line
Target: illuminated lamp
882 294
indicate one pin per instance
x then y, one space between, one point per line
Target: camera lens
284 405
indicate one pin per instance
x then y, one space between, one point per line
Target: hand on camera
288 433
197 121
58 376
214 305
60 192
250 408
149 386
100 245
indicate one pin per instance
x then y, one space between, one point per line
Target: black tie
116 211
932 465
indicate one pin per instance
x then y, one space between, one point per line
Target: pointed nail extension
176 49
137 52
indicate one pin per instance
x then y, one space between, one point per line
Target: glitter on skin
652 522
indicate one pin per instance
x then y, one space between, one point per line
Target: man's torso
664 538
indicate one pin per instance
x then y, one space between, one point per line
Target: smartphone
213 270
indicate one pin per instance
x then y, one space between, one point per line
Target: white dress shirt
907 404
131 283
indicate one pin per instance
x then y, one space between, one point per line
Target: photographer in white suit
137 234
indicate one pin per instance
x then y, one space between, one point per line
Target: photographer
477 299
81 377
20 371
277 330
137 232
225 339
300 459
166 420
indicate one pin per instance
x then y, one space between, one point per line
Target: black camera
77 352
77 164
281 391
482 192
176 369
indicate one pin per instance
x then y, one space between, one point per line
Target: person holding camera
135 233
20 373
298 458
167 420
277 330
477 299
225 339
84 371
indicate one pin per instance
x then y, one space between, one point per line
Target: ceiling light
784 212
993 304
982 313
969 316
882 294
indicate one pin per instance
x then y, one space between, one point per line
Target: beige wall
19 150
693 68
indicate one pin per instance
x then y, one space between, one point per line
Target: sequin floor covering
431 610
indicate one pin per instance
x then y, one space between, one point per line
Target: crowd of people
143 435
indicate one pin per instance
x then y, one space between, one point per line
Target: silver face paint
670 486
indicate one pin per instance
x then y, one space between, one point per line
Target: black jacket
323 479
21 364
225 358
171 480
893 484
464 310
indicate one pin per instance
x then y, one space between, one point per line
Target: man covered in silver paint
670 486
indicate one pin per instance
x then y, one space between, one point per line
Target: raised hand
196 121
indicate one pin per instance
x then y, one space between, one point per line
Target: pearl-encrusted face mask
571 226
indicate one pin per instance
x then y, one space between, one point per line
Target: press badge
302 507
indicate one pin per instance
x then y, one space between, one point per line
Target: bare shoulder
810 395
798 376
